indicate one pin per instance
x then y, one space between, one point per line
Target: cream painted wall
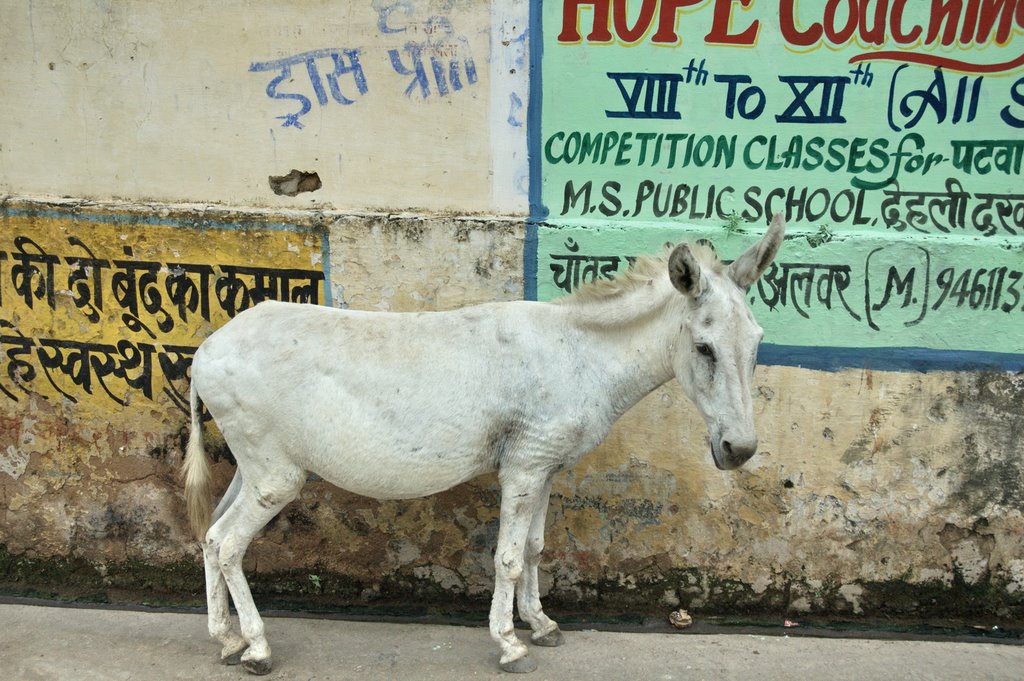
156 101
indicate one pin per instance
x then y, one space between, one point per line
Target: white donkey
398 405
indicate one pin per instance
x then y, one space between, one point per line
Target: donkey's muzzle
735 453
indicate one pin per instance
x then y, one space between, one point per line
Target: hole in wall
294 183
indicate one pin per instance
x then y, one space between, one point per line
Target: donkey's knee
509 565
229 553
211 544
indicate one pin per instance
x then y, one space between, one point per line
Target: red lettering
841 36
609 14
788 22
719 34
896 25
666 33
993 11
638 30
875 34
571 22
870 22
970 22
945 15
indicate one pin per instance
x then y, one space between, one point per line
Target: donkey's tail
196 472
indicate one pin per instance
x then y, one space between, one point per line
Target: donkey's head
716 353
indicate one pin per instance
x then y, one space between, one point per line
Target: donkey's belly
397 473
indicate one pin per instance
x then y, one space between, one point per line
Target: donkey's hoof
551 639
233 659
232 654
522 665
257 667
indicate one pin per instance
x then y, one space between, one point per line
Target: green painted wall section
896 162
856 289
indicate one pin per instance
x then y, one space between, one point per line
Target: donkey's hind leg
545 630
218 613
228 540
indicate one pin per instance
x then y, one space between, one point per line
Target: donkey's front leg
519 495
545 630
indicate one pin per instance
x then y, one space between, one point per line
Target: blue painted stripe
538 212
530 262
888 359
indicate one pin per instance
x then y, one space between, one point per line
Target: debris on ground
680 619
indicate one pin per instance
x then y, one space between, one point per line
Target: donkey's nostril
737 454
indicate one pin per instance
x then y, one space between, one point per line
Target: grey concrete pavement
49 643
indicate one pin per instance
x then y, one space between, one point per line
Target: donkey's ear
748 267
684 271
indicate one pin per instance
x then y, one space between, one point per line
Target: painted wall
890 135
878 489
204 102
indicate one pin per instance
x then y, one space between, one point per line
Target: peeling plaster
14 462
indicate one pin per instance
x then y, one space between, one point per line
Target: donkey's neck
630 337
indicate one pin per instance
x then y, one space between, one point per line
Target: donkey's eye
705 349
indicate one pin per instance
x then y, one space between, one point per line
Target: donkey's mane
643 270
